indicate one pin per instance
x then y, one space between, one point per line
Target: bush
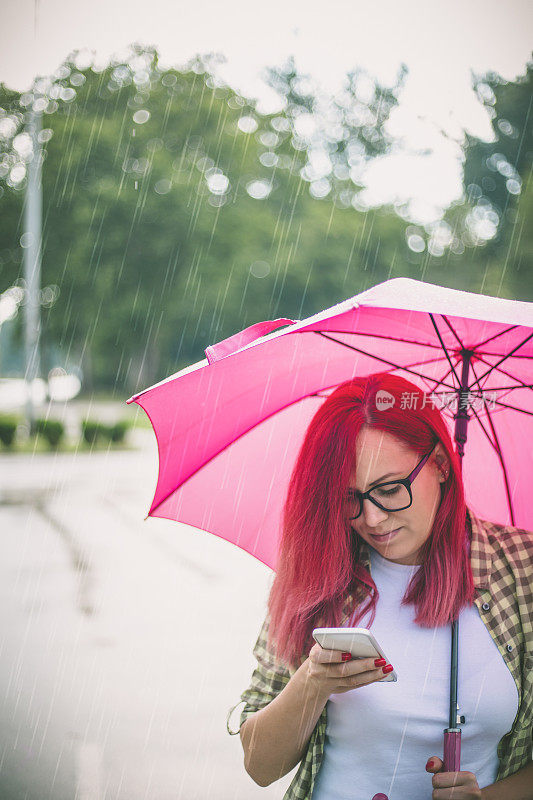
50 429
118 430
91 430
8 429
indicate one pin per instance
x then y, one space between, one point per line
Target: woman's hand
452 785
332 672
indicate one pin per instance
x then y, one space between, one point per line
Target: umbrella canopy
229 428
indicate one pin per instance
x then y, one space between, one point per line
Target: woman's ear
442 463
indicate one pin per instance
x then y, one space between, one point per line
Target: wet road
123 642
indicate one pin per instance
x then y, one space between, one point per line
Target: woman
376 534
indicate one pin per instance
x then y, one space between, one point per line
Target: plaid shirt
501 557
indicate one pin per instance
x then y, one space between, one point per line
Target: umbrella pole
452 734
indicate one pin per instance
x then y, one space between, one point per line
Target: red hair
318 564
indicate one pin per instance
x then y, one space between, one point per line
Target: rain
169 178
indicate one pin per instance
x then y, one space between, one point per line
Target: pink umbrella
229 427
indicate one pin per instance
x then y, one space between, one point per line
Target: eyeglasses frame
405 481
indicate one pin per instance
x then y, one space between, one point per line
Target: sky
440 42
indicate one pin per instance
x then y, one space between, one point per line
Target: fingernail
346 656
430 764
388 668
379 662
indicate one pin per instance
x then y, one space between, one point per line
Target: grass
37 444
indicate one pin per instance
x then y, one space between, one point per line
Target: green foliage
50 429
158 239
91 430
115 433
8 429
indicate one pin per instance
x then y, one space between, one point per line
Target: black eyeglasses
393 495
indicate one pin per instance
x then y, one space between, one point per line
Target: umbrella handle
452 755
452 750
228 346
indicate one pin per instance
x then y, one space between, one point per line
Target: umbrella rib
521 384
450 326
444 348
500 333
378 336
513 408
496 445
408 341
377 358
508 355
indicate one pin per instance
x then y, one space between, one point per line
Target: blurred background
170 174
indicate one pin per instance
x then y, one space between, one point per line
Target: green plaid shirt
502 565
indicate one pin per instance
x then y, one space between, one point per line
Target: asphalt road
123 642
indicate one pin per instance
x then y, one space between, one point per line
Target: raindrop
141 116
247 124
505 126
341 172
67 94
359 203
217 200
154 145
280 124
488 183
205 163
320 188
505 169
17 175
48 295
26 99
435 249
141 78
486 93
457 247
298 143
473 192
22 144
269 139
260 269
416 243
217 182
236 102
163 186
62 72
45 135
169 80
8 127
513 186
259 189
268 159
305 125
26 239
40 104
77 79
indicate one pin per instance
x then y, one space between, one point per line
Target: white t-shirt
379 737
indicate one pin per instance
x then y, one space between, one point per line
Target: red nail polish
379 662
388 668
346 656
430 764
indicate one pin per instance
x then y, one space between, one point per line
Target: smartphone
357 641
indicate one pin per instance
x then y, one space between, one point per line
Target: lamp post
32 259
